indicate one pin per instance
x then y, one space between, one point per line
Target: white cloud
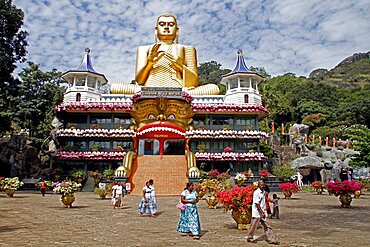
282 36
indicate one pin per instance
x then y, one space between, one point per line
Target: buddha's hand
177 63
154 54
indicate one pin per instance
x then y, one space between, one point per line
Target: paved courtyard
29 219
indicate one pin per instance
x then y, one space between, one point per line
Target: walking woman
147 204
189 218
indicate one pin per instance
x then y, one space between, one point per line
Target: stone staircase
169 173
89 185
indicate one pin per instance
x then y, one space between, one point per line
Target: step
169 173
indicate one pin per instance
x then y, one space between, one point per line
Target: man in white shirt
259 214
117 195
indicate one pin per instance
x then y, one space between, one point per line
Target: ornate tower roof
86 64
85 67
240 66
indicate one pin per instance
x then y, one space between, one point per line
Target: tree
12 50
39 93
318 74
261 71
211 72
360 135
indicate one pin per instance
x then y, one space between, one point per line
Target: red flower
213 174
348 186
237 198
292 187
264 173
317 184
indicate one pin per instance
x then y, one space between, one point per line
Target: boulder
328 164
303 129
307 162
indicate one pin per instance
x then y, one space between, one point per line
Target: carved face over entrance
174 111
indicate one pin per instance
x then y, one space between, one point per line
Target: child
268 208
275 202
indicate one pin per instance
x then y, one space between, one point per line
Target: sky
282 36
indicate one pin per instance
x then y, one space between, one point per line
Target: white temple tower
242 84
84 82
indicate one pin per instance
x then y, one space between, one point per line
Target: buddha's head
166 27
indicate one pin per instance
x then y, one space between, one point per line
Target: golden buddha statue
166 63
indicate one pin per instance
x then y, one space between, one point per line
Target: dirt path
307 220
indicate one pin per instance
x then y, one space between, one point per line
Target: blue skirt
148 208
189 220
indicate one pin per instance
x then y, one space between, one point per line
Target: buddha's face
166 28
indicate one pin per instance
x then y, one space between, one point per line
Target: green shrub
283 172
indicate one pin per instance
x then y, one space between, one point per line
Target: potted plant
223 177
264 173
288 189
95 147
103 190
239 200
108 173
201 147
200 125
67 190
240 178
213 174
211 186
10 185
71 126
344 190
95 126
118 148
318 186
78 175
96 176
69 148
201 190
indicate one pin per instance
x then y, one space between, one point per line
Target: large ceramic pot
346 200
10 192
319 190
357 194
201 194
67 200
243 218
287 194
212 202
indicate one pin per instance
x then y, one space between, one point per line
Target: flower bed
119 133
217 134
198 107
228 156
63 155
91 106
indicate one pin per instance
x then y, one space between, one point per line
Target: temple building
167 133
